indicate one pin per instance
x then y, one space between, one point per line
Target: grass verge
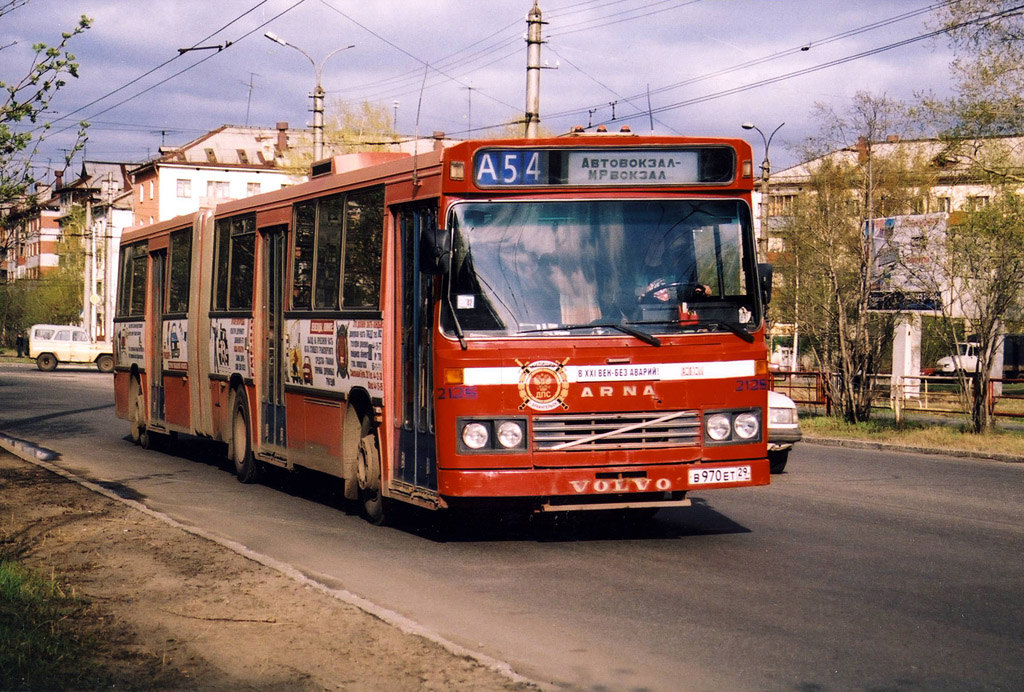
915 434
40 647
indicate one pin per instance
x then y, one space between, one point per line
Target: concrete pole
318 120
533 41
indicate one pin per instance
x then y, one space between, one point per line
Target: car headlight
510 434
746 426
719 427
781 416
475 435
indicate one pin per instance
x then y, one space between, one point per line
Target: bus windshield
593 267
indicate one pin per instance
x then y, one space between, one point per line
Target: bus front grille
605 431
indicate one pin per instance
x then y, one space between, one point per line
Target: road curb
43 457
913 449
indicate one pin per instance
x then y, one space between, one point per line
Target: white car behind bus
783 430
51 344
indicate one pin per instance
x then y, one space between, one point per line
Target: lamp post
766 171
762 240
318 92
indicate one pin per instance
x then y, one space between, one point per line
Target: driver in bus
675 280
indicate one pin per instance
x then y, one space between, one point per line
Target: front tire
136 411
777 461
246 467
47 362
375 505
105 364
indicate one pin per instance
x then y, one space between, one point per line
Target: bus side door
417 455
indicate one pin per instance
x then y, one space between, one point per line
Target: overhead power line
831 63
136 80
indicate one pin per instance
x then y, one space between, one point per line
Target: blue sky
468 58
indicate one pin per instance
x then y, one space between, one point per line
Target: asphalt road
856 570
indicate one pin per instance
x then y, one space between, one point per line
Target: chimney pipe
282 137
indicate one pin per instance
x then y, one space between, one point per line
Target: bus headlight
732 427
491 435
746 426
510 434
475 435
719 427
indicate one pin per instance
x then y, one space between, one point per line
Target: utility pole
318 92
533 41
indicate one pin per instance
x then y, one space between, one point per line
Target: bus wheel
246 466
46 362
136 411
368 473
353 432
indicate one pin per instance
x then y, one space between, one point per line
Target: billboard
907 274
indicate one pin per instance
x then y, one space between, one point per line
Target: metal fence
923 394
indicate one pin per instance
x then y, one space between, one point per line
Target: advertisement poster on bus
128 348
335 355
175 345
231 346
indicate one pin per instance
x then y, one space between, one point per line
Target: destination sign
603 167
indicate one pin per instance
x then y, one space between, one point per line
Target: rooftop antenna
650 113
416 140
248 100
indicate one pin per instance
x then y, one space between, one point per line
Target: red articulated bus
551 324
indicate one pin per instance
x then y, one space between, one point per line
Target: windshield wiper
636 333
710 322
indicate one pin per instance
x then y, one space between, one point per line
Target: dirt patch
173 611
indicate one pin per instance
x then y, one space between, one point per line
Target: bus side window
364 237
180 272
235 263
302 271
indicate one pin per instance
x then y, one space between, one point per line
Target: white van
51 344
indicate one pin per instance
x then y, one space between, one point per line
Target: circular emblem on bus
543 385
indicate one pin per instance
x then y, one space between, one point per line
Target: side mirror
765 271
435 251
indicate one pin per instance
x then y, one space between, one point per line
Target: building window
976 202
943 204
151 189
184 187
211 156
252 189
218 189
242 156
781 205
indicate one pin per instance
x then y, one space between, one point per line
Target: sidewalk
912 449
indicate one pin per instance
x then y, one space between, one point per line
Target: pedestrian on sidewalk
20 345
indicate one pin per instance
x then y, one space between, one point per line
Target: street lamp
318 93
766 171
762 241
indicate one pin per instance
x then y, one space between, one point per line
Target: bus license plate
722 474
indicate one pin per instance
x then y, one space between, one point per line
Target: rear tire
246 467
105 364
47 362
777 461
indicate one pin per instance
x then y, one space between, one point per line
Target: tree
829 254
23 111
982 251
347 128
